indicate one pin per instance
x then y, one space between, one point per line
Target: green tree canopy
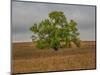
55 32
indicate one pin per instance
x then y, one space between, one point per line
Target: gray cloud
25 14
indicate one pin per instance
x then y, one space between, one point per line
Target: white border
5 37
87 2
5 48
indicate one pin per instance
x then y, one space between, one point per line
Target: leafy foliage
55 32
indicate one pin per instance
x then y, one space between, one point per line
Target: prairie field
27 58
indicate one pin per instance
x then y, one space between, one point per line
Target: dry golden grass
28 58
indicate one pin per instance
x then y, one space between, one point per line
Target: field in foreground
27 58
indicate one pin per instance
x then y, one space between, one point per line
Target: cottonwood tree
55 32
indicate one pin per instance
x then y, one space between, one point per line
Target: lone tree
55 32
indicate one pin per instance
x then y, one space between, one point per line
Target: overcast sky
25 14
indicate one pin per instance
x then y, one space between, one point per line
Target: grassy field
27 58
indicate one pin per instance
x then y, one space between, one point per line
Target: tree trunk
55 48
